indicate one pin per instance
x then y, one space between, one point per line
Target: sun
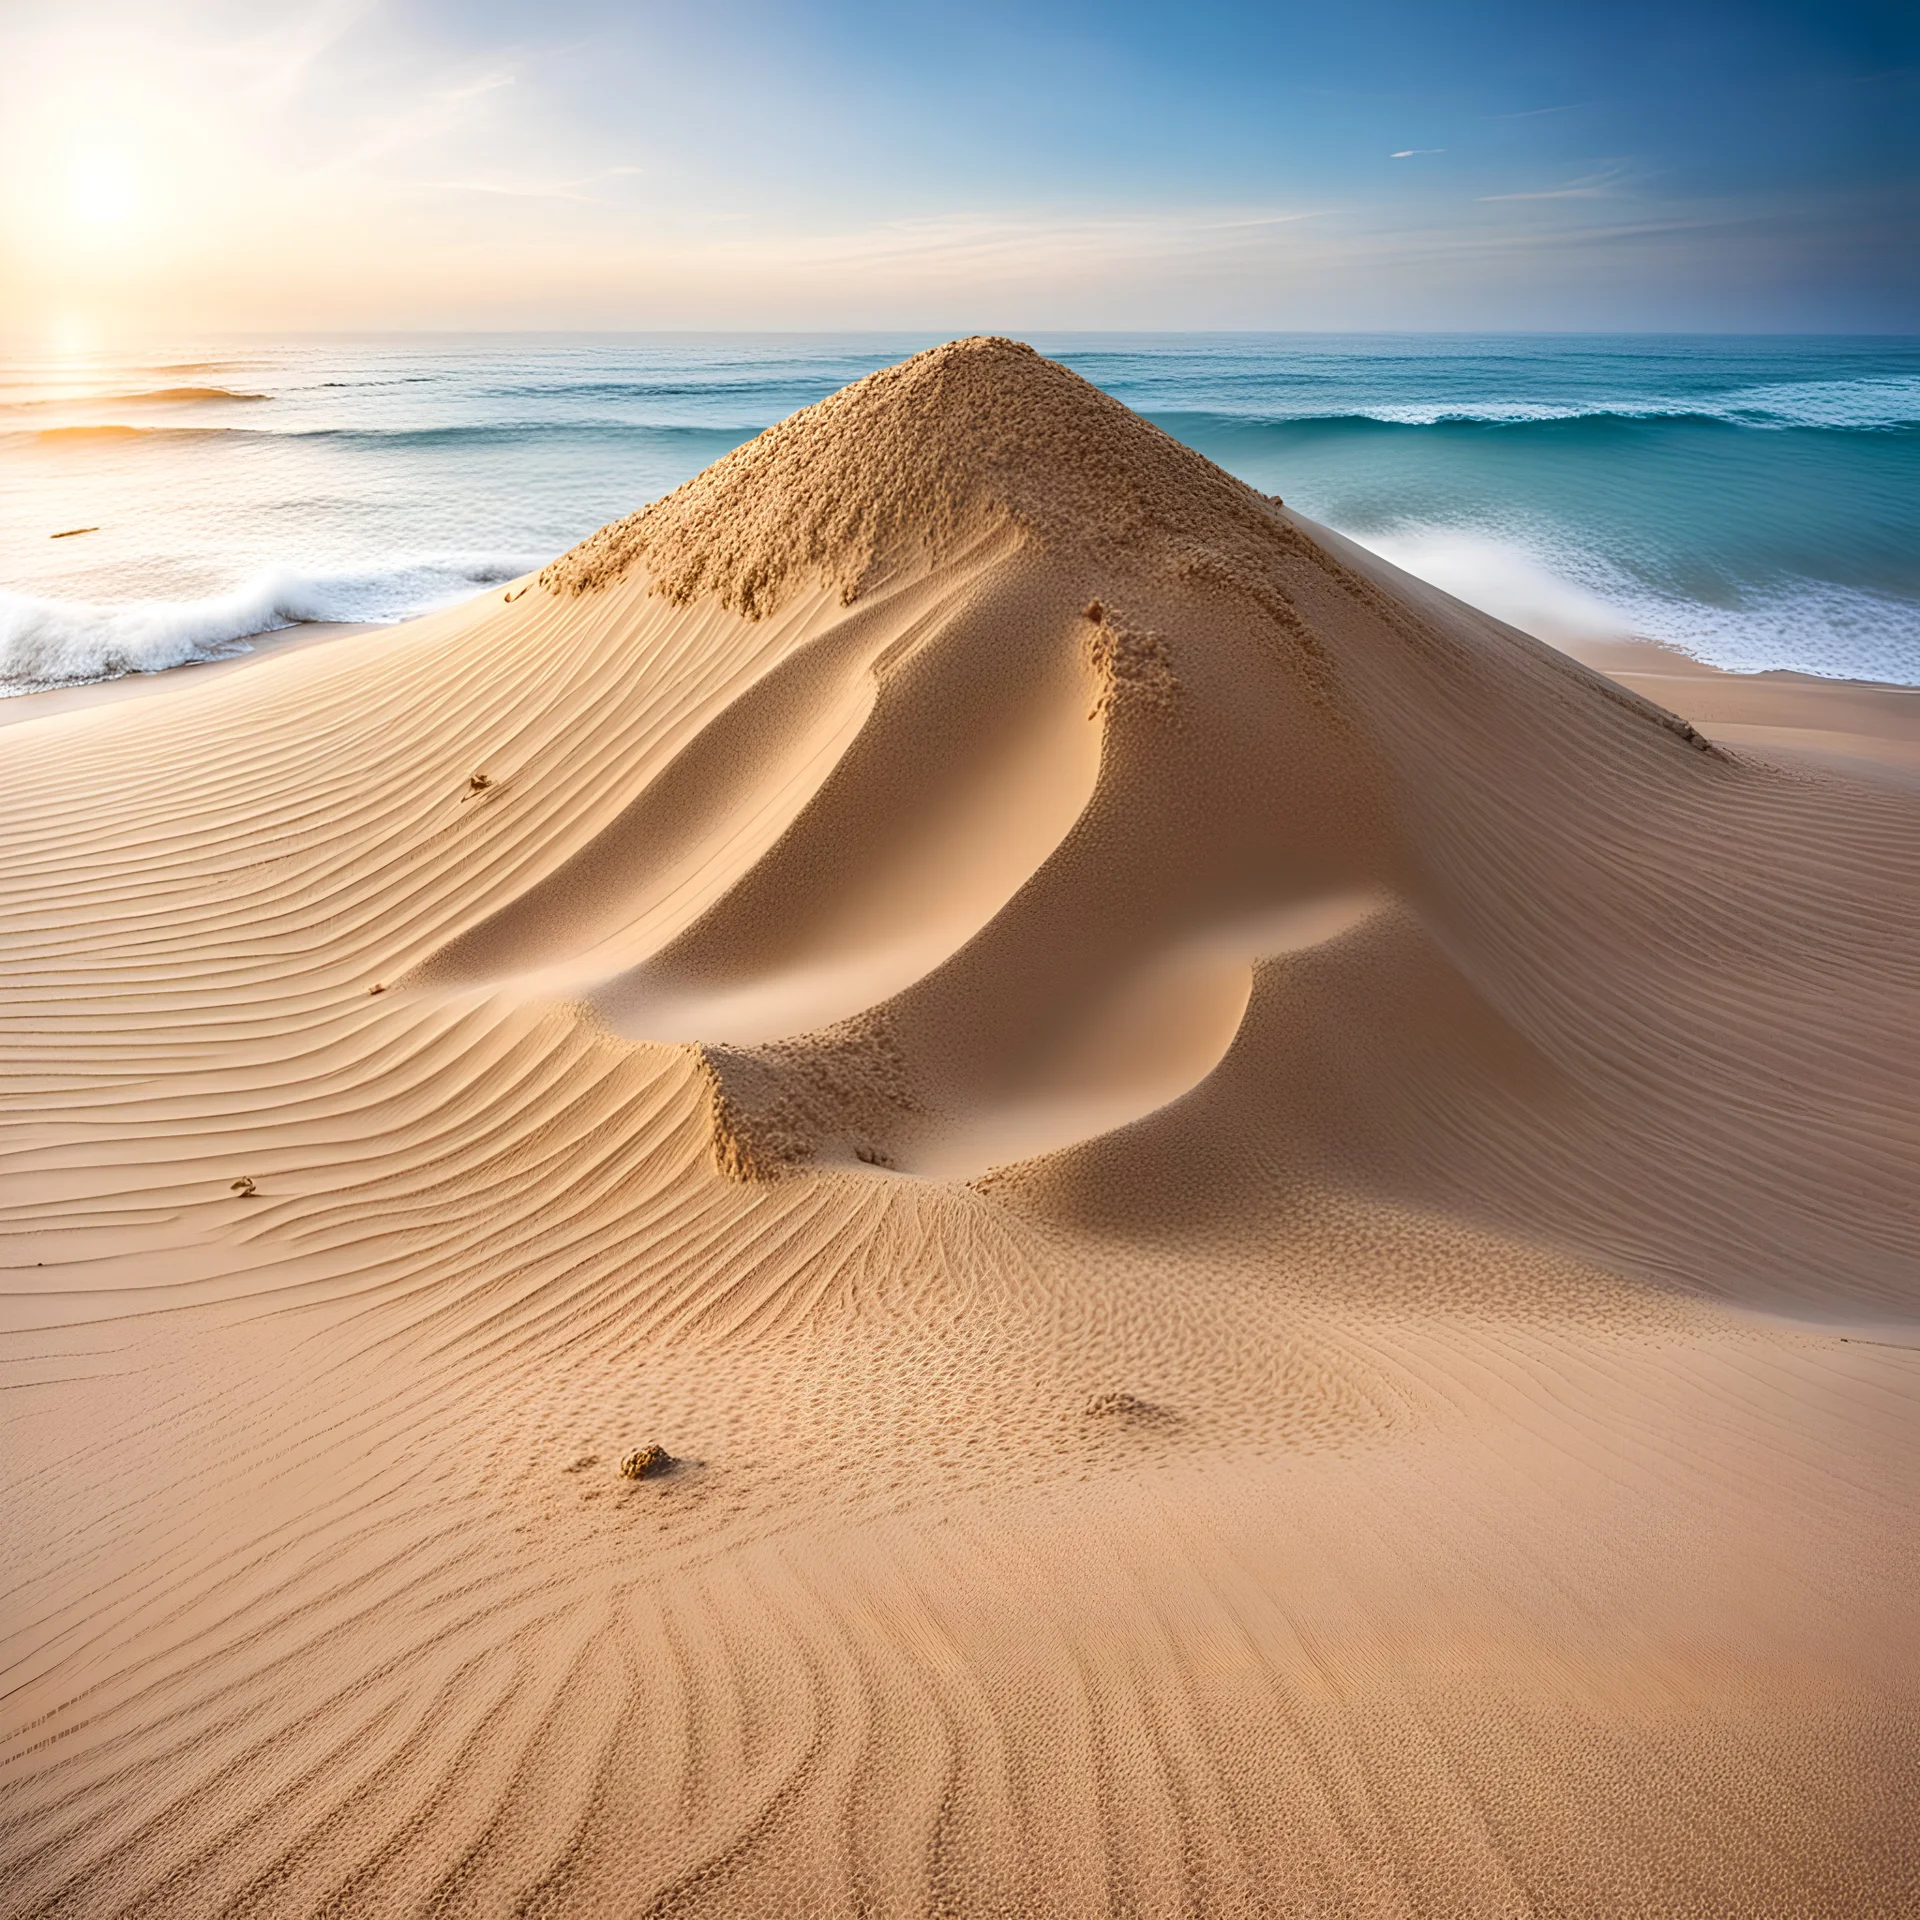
71 337
102 190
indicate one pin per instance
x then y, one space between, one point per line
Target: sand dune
1272 1227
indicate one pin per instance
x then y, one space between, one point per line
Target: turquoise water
1754 500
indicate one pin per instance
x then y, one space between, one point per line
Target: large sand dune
1274 1228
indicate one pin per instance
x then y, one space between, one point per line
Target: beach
1267 1227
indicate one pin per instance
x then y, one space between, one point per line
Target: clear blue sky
578 163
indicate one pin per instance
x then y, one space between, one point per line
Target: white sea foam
1504 580
54 643
1808 626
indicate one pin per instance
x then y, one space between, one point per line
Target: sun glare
69 337
103 193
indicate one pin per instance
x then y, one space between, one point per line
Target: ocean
1752 500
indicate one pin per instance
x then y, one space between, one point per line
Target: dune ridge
1270 1227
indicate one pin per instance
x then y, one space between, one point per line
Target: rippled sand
1272 1229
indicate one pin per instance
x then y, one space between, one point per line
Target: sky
1397 165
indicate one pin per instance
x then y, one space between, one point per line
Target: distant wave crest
57 643
1866 405
145 397
1870 404
698 434
1846 404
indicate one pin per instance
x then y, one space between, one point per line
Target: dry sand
1273 1228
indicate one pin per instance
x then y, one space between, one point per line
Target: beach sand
1272 1229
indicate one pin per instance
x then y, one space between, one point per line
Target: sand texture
1271 1230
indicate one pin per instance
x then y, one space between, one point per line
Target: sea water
1752 500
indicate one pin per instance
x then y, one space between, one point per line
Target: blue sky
734 163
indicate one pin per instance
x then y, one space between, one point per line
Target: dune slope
1271 1226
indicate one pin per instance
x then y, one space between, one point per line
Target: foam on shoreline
55 643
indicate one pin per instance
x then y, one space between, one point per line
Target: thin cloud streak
444 110
1595 186
556 190
963 244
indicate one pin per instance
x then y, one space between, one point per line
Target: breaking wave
63 643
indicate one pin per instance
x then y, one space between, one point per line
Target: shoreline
1846 725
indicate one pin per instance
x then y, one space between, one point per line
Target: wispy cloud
1413 153
1604 185
280 56
542 190
1553 193
431 115
1006 245
473 89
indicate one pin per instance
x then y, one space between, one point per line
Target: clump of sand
774 1106
1133 666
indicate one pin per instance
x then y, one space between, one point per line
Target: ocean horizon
1748 499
